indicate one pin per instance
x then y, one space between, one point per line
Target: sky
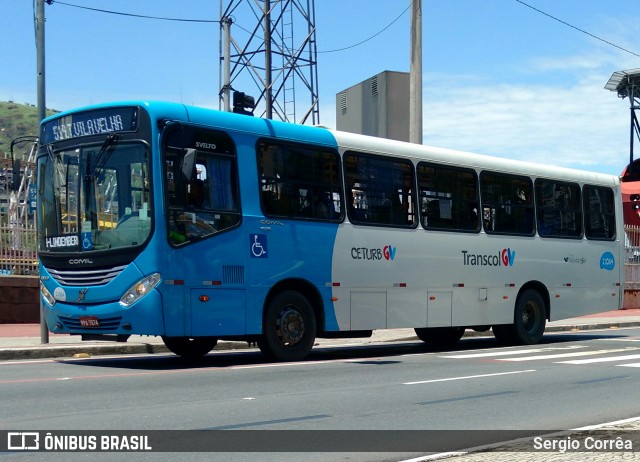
499 77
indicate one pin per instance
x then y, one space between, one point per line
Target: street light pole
40 58
627 85
415 74
226 87
42 111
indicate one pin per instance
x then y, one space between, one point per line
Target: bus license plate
89 321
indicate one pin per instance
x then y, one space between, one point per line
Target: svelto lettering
201 145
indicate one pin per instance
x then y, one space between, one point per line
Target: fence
632 264
18 254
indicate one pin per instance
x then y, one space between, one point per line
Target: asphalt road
571 380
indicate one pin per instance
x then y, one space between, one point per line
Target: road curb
48 351
596 326
45 351
67 351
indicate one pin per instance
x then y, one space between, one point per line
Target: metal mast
627 85
268 50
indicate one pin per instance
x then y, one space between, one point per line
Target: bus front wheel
289 327
529 321
190 347
444 336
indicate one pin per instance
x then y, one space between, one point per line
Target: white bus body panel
398 278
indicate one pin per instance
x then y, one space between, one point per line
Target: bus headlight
140 289
47 295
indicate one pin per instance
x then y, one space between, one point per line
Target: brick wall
631 299
19 299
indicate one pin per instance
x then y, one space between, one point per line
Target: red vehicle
630 187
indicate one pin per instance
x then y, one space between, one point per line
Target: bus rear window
599 213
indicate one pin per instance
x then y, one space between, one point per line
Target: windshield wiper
50 152
103 154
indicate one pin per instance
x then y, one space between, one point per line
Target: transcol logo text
505 257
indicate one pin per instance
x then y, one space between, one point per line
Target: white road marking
567 355
509 352
450 379
600 360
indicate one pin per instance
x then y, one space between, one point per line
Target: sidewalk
22 341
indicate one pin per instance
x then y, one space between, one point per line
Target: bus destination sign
104 121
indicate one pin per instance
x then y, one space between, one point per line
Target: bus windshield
94 197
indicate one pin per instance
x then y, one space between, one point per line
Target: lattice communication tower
268 50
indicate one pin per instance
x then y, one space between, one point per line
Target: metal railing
18 254
632 263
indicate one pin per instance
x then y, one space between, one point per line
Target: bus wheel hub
290 326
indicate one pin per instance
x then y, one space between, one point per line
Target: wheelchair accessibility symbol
87 243
258 245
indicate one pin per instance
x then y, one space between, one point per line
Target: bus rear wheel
443 336
529 321
289 327
190 347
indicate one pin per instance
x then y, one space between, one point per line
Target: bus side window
507 201
449 197
558 209
299 181
381 190
205 200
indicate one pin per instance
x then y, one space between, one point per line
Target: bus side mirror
188 164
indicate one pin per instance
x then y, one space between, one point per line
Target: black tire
289 327
190 347
443 336
504 333
530 319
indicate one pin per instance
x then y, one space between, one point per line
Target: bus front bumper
142 318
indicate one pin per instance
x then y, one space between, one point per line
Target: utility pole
40 58
42 111
415 74
226 22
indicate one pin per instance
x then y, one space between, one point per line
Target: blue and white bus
197 225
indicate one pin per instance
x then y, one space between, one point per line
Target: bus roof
349 141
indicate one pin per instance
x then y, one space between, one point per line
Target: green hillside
17 120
